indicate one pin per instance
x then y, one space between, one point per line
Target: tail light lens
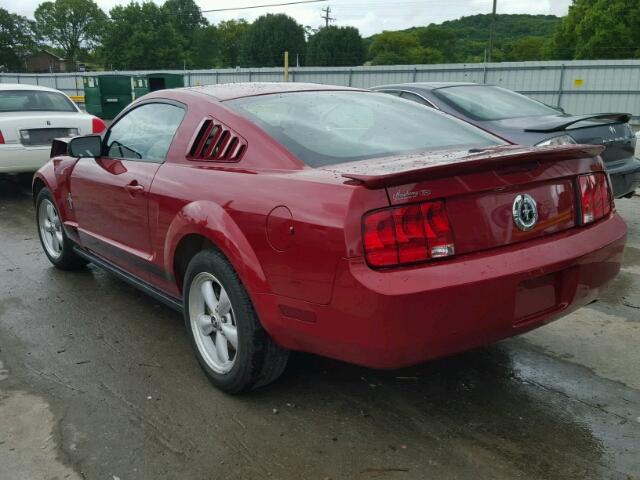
408 234
1 138
596 201
97 125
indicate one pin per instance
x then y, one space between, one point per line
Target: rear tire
233 349
55 243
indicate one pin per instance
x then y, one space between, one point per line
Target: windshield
326 128
482 102
34 101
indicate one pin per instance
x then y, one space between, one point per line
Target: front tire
233 349
55 243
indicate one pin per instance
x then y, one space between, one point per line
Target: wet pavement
97 381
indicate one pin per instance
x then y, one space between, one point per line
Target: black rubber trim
168 300
96 244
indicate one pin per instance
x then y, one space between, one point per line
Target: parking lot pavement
97 381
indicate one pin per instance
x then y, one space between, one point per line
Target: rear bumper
391 319
625 176
18 159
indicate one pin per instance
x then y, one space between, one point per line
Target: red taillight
410 236
380 239
438 230
97 125
1 138
407 234
595 197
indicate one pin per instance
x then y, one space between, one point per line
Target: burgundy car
347 223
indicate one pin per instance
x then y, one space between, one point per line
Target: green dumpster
151 82
105 96
140 85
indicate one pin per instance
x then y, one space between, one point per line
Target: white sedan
30 118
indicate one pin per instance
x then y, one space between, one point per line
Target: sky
369 16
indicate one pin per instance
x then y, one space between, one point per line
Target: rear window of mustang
34 101
327 128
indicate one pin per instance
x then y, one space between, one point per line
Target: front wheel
54 240
229 342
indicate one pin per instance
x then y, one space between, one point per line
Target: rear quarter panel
230 203
235 209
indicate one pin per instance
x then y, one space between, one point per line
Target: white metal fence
577 86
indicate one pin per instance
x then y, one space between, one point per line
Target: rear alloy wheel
228 340
54 240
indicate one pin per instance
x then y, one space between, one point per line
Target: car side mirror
89 146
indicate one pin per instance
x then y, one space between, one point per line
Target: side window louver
217 142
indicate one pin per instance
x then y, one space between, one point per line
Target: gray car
522 120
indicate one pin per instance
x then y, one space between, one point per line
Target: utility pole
492 30
327 16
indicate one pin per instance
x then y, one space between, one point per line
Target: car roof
25 86
429 85
229 91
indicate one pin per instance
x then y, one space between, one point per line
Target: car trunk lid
39 128
610 130
617 138
479 188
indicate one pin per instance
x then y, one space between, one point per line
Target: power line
262 6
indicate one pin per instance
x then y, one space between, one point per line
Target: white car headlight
559 140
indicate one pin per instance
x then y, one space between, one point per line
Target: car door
110 194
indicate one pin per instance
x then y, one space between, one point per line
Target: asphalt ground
97 381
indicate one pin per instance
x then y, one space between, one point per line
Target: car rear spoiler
394 171
564 123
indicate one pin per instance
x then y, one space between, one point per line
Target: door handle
134 187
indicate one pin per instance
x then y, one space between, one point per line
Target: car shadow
504 404
14 186
478 403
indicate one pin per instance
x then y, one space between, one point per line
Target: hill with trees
517 37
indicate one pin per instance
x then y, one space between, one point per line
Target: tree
423 55
527 48
389 48
16 40
70 24
205 47
198 38
335 47
141 36
185 16
596 29
232 34
266 40
440 39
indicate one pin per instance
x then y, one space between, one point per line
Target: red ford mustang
342 222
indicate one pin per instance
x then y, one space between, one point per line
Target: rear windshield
483 102
327 128
34 101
